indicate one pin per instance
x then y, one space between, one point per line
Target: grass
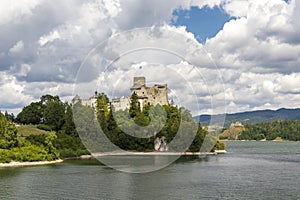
26 130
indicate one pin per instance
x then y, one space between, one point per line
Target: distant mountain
254 117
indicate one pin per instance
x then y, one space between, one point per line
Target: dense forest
178 125
61 138
286 130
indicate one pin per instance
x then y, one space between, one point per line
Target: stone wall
120 103
91 102
157 94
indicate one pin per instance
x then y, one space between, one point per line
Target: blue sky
204 23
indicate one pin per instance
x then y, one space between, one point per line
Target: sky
236 55
203 23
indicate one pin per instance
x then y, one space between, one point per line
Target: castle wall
92 102
157 94
121 103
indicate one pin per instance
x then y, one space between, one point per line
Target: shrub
44 127
5 156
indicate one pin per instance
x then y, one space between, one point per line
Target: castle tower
139 81
157 94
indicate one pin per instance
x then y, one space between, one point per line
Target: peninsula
46 130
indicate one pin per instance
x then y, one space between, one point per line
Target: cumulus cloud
257 52
11 90
259 41
151 52
236 8
18 47
13 12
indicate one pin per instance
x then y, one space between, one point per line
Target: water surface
250 170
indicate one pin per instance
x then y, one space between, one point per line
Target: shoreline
35 163
259 141
94 155
155 154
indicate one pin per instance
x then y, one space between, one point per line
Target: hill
26 130
276 130
254 117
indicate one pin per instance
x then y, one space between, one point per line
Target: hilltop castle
157 94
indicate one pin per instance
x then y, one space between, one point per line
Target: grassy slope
26 130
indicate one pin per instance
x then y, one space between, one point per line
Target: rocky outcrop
160 144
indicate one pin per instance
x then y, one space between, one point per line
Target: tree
103 111
134 109
8 133
31 114
54 113
50 146
45 99
288 130
69 126
198 140
10 117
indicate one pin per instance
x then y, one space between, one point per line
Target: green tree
198 140
288 130
31 114
8 133
10 117
69 126
54 113
134 109
103 111
49 140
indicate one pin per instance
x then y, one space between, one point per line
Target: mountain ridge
254 117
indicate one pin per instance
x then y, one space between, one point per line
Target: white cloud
258 54
289 83
152 53
236 8
259 41
49 38
12 95
15 11
18 47
203 3
113 7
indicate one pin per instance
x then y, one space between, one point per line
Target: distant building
236 124
157 94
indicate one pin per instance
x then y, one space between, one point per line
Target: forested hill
254 117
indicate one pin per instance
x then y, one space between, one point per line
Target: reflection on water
250 170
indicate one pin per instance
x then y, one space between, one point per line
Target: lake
250 170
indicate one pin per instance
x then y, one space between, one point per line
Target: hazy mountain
253 117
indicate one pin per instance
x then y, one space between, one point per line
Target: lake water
250 170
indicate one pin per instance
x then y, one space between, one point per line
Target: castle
157 94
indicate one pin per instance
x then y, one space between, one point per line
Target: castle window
143 92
